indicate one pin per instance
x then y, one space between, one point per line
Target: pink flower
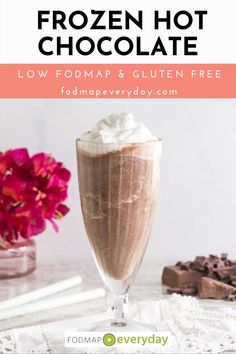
32 190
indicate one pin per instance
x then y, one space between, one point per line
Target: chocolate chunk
178 264
174 291
183 291
222 276
212 277
186 266
231 297
199 263
219 263
226 274
214 289
224 256
200 259
190 291
232 280
231 270
211 263
173 276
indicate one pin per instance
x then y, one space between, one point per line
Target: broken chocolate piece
199 263
212 276
173 276
231 297
174 291
214 289
186 266
182 291
224 256
224 277
226 274
211 265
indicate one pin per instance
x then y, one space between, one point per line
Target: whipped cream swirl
116 129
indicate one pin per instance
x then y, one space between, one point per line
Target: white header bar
215 43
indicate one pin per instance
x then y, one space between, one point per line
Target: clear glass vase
118 190
18 259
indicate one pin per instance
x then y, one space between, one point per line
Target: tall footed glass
118 189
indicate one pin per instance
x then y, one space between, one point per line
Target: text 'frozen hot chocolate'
118 164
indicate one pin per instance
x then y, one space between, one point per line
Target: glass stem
119 310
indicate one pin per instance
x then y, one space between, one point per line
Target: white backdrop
197 200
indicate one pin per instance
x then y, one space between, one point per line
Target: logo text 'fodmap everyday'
105 339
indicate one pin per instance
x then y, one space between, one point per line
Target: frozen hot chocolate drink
118 169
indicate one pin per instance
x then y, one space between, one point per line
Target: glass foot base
127 326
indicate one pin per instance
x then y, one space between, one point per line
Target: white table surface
146 286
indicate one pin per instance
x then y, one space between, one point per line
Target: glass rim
156 140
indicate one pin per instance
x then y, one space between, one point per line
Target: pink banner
118 81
